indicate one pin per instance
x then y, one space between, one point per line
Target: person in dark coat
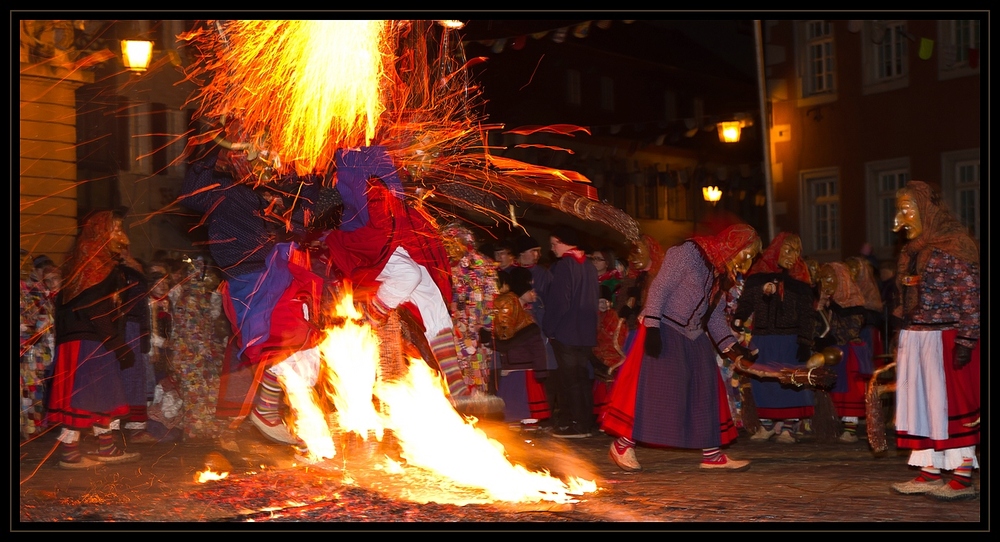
571 325
270 292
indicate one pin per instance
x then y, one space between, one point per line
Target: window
959 48
647 197
960 187
818 77
821 212
884 55
573 96
883 179
607 93
680 204
815 63
967 195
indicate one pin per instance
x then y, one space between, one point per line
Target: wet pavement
808 485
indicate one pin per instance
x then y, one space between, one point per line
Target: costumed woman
937 358
87 388
670 391
841 301
779 299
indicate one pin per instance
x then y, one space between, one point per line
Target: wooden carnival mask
907 215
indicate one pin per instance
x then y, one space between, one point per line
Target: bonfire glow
433 438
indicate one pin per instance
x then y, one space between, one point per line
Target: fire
434 439
208 475
324 80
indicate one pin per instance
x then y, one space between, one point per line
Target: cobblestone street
808 485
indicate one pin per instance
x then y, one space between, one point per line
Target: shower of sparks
301 89
287 100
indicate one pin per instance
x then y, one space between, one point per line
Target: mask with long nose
907 215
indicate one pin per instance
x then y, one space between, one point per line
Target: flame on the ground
433 438
208 475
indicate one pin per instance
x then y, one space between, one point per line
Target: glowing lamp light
452 24
136 54
711 193
729 131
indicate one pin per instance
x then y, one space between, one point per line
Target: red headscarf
656 253
92 259
720 249
768 261
847 293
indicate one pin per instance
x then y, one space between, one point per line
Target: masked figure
937 358
518 342
474 287
670 391
779 299
91 348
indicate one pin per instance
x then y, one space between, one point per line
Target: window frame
807 92
872 53
810 220
952 62
881 203
952 187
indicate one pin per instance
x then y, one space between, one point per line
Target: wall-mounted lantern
711 194
136 55
729 131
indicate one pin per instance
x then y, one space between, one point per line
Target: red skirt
87 388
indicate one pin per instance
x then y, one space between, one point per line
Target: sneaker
626 461
84 463
727 463
277 433
848 437
762 434
571 431
913 487
786 437
117 457
945 492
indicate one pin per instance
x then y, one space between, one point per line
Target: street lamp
711 194
136 54
729 131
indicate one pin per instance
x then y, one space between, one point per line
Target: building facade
856 109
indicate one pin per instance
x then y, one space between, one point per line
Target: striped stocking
269 398
963 475
443 346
